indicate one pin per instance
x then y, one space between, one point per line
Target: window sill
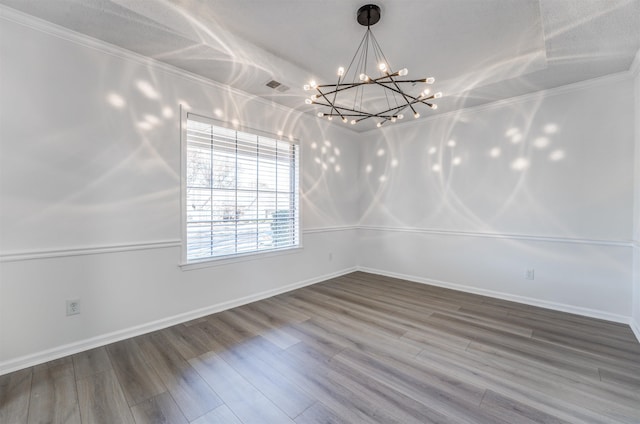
243 257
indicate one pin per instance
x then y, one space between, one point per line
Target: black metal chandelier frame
396 99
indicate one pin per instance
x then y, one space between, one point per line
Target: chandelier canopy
370 71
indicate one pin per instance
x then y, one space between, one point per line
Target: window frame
186 264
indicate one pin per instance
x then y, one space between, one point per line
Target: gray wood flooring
356 349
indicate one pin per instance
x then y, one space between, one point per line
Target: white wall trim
635 327
116 248
506 236
86 250
562 307
330 229
535 95
104 339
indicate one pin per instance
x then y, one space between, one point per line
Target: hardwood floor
356 349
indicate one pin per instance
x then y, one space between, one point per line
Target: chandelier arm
335 95
382 84
340 85
362 114
341 88
359 112
403 95
329 101
414 100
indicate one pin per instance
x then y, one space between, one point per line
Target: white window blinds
241 192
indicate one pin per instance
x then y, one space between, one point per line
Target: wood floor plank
91 362
186 340
101 399
271 332
15 392
159 409
359 348
319 414
221 415
194 397
311 375
244 400
138 379
280 391
512 411
441 394
549 397
586 392
629 380
391 405
53 396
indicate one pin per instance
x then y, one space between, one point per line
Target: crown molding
41 25
50 28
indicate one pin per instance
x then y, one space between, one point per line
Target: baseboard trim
105 339
562 307
635 327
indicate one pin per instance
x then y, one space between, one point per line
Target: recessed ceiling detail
479 51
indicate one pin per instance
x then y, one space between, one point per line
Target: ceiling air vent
278 86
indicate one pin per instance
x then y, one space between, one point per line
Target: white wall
556 196
635 323
91 198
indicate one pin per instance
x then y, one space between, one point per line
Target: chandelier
346 99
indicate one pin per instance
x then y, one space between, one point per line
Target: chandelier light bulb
353 122
437 95
402 72
416 115
382 66
400 116
393 119
308 101
330 118
430 80
344 119
313 84
426 92
434 106
340 71
320 114
306 87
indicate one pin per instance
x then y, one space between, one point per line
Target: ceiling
478 50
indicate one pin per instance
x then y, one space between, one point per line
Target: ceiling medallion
346 99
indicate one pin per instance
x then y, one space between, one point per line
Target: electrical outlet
529 274
73 307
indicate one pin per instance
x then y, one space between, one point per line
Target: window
241 191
